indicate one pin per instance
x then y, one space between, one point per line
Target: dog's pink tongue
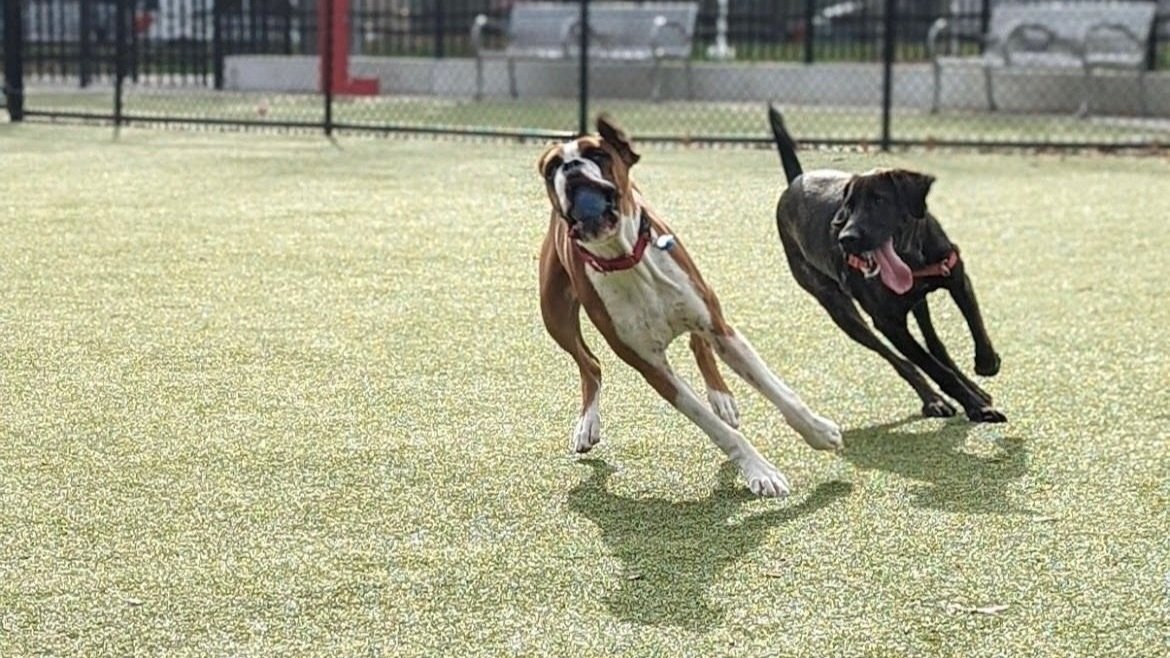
895 274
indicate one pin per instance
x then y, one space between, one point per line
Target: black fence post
984 20
120 48
287 8
440 30
135 53
583 89
1152 43
327 66
810 29
85 27
14 60
217 50
891 25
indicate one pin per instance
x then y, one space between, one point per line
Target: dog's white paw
822 434
723 404
764 480
587 433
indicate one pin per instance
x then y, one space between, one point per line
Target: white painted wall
840 84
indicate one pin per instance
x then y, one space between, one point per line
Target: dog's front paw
764 480
723 404
986 415
937 408
987 365
822 434
587 433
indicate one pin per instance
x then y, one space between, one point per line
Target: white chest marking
647 312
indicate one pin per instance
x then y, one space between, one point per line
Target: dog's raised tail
784 144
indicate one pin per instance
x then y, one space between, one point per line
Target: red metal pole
333 20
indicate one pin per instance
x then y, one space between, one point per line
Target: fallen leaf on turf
1043 519
132 601
773 574
634 576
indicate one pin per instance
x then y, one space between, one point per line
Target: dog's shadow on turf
952 479
673 551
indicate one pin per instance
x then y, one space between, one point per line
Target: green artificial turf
272 396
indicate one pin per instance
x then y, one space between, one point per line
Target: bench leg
655 81
478 78
512 78
690 84
991 105
1142 104
935 97
1086 107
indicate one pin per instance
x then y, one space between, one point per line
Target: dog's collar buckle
607 265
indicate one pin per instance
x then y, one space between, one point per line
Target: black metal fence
847 71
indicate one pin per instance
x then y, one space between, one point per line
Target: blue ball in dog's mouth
588 203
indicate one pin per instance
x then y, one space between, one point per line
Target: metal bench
1084 36
619 32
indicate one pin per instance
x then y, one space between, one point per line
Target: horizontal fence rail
881 72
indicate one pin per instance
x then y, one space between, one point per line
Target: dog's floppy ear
616 137
542 162
848 189
912 190
841 216
545 168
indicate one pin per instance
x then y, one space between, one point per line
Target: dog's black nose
849 239
572 165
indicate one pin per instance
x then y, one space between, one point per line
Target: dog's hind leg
936 347
986 359
819 432
845 314
718 394
562 318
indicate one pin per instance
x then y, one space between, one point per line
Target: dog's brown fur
640 307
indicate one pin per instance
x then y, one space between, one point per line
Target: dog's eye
598 157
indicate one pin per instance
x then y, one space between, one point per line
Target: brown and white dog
607 251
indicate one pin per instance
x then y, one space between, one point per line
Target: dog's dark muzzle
591 206
853 242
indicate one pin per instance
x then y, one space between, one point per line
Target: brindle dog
869 238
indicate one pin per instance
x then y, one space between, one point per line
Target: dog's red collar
942 268
606 265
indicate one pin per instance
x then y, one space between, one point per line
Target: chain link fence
881 72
